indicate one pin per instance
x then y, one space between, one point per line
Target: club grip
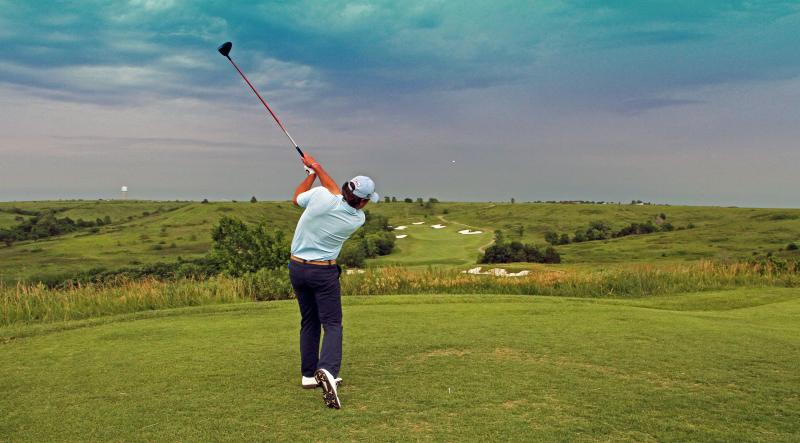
299 151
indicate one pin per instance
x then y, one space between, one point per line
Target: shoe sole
329 393
315 386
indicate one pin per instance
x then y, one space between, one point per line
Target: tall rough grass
37 303
634 281
23 303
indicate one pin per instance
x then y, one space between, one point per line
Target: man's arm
304 186
324 179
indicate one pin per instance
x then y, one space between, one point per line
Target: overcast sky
693 102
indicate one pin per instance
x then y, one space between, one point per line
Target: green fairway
425 245
718 366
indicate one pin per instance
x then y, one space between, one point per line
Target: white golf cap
364 187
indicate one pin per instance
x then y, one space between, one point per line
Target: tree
387 199
408 200
551 255
394 199
551 237
205 201
564 239
420 201
107 220
240 249
253 199
512 200
498 237
352 255
433 200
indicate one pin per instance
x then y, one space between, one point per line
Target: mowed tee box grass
144 232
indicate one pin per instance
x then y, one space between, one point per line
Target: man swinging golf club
331 215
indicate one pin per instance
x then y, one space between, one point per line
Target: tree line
600 230
46 224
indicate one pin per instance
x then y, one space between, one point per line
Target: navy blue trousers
319 297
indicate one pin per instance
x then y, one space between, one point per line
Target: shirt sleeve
306 197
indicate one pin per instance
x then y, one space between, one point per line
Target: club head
225 48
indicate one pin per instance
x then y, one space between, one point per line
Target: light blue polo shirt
325 224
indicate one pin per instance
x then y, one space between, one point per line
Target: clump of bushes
46 224
792 247
240 249
374 239
515 251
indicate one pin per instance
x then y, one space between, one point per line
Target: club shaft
277 120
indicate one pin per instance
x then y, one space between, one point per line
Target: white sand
401 236
468 232
497 272
438 226
400 228
418 223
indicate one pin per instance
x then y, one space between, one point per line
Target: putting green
719 366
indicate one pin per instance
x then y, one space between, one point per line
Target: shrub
352 255
515 251
240 249
792 247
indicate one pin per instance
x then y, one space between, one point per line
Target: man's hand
310 161
324 179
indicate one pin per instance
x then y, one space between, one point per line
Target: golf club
225 49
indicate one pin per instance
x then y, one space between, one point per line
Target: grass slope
713 366
720 233
185 231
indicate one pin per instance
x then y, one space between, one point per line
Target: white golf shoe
311 382
329 391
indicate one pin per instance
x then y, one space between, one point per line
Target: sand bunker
468 232
418 223
497 272
438 226
354 271
400 228
401 236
